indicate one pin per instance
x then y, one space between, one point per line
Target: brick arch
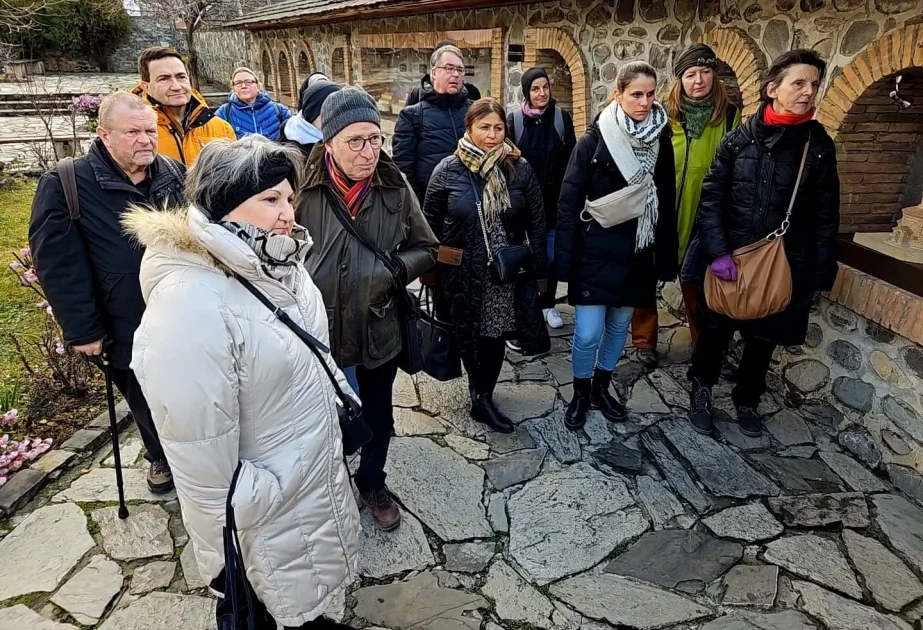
558 40
875 140
268 70
285 71
738 50
305 54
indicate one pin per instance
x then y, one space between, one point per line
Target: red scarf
770 117
353 194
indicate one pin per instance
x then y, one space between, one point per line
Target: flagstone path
644 524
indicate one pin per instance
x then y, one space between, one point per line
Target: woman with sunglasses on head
482 199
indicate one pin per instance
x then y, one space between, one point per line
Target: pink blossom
16 464
50 312
59 348
2 481
26 251
9 417
5 439
15 265
48 441
43 304
28 278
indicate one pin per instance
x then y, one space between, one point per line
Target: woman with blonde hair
701 114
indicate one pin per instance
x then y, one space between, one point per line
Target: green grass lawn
18 313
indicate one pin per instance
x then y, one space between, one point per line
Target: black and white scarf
279 254
635 146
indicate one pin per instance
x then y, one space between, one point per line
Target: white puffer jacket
227 382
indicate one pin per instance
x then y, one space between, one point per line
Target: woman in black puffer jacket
610 271
487 169
744 198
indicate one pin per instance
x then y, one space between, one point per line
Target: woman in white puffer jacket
227 382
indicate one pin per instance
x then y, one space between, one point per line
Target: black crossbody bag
356 432
410 359
506 263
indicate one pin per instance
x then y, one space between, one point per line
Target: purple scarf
531 112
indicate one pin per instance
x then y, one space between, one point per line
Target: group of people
245 290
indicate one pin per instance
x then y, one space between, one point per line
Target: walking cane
114 429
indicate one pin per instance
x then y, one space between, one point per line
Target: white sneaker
512 345
553 317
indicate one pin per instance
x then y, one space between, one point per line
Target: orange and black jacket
183 143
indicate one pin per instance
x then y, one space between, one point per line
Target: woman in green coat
701 114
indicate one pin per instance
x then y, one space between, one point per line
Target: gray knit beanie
348 106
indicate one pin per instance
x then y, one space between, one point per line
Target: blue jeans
599 338
350 374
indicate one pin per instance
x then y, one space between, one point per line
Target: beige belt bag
618 207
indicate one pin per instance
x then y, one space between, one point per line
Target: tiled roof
283 11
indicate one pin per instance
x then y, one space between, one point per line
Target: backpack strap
518 126
68 177
559 122
416 116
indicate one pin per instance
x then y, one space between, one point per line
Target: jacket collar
110 176
262 100
445 101
197 111
769 135
386 174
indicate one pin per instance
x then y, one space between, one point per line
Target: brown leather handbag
764 278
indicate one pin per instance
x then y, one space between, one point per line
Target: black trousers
321 623
484 366
375 391
709 354
126 383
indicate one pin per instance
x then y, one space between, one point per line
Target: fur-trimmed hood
183 237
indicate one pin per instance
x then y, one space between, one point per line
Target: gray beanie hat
348 106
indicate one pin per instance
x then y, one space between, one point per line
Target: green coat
691 167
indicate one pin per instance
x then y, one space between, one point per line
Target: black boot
700 414
575 416
601 398
483 410
751 422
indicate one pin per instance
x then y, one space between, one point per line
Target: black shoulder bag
356 432
410 359
506 263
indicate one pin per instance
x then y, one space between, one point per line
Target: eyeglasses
452 69
245 83
357 143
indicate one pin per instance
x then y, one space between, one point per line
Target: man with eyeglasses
429 131
184 121
350 181
250 110
413 97
87 265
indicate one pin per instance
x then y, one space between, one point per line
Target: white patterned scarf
279 254
635 146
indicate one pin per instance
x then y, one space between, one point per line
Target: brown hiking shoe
159 477
385 513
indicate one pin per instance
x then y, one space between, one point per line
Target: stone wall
861 382
146 31
220 51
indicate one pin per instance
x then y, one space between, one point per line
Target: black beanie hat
275 169
528 78
695 55
314 98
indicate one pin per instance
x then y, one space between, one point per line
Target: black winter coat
547 154
745 196
450 207
600 264
427 133
89 270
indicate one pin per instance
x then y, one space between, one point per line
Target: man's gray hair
223 162
436 59
112 101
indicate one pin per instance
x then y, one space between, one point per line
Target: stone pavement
77 83
644 524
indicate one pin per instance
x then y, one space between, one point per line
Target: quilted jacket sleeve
436 202
718 180
828 220
418 252
573 199
404 148
196 411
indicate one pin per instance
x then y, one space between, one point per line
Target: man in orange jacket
185 124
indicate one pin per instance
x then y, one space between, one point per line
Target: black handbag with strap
240 609
410 359
355 431
441 355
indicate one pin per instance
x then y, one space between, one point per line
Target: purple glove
724 268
